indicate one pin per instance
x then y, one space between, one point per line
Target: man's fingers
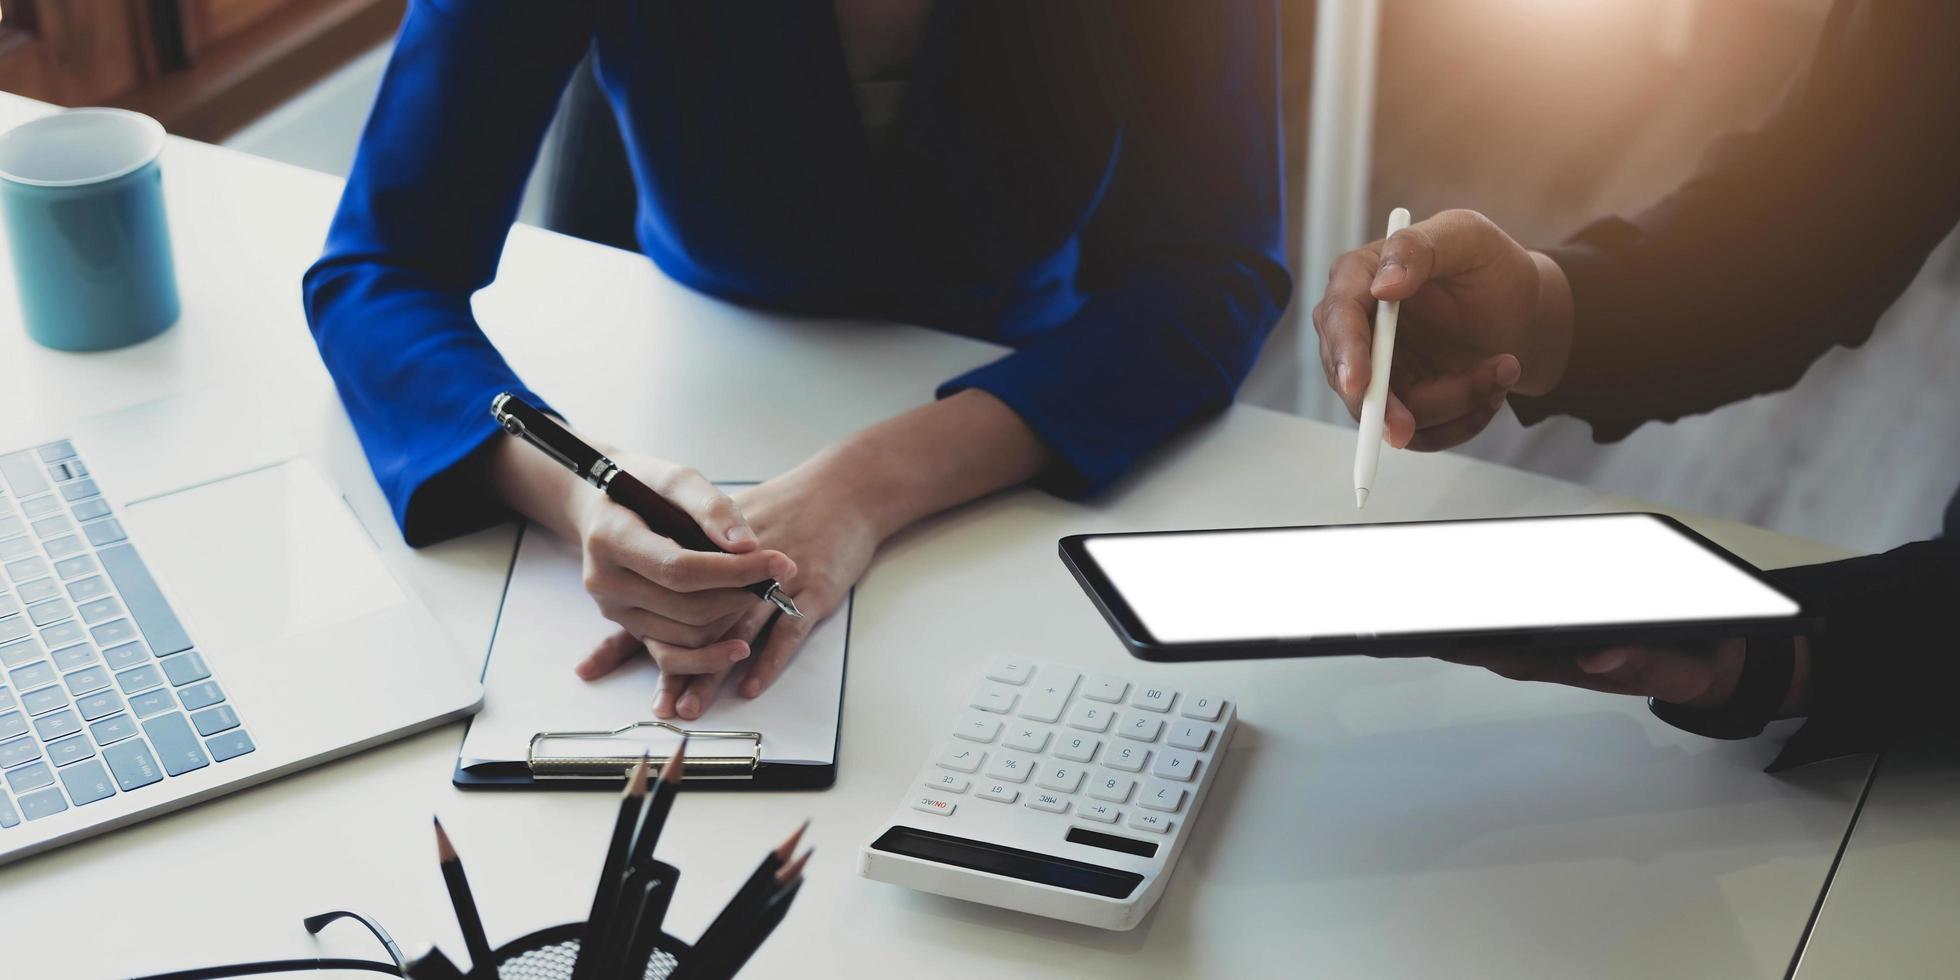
1665 675
611 652
715 511
1342 320
714 658
1447 244
784 640
671 686
1449 397
614 585
667 564
698 695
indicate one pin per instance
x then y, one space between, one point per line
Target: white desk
1384 818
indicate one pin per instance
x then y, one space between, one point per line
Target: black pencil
720 933
655 893
460 896
772 916
598 924
432 965
659 803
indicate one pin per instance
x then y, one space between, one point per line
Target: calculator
1058 792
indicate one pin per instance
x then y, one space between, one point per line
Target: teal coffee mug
82 201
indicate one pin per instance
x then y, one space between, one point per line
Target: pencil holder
548 954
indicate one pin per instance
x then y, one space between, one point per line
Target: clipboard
587 735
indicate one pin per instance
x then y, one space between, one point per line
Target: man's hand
1481 317
1703 678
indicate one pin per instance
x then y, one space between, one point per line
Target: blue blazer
1096 184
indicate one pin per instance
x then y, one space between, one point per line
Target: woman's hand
1701 678
1481 317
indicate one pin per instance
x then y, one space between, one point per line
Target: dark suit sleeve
1788 241
1885 665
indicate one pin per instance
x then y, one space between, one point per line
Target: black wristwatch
1767 665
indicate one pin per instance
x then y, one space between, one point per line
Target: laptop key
8 605
79 489
33 675
22 569
12 723
10 526
9 817
70 750
139 678
56 451
125 656
12 548
7 700
99 705
40 506
83 590
176 745
90 509
106 531
62 634
151 702
66 546
132 763
43 701
185 668
111 730
113 632
79 565
86 681
57 724
52 611
201 695
99 609
30 777
73 658
211 721
53 524
87 782
39 590
18 751
23 473
45 803
13 628
230 745
145 601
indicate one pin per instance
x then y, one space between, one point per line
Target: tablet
1422 588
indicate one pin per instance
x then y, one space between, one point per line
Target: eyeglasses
398 968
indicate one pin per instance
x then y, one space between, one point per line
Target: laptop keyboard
101 690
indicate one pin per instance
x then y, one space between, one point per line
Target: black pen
521 419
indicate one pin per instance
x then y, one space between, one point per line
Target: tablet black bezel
1130 629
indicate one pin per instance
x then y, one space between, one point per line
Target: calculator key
200 695
46 803
126 656
230 745
9 817
72 658
1051 802
211 721
975 727
74 748
18 751
947 782
1143 728
1059 777
31 777
1155 823
139 678
1163 796
959 758
997 698
1027 738
1014 672
42 701
1011 768
176 746
111 730
57 724
1129 758
132 763
1189 735
87 681
998 792
1090 717
933 804
1076 748
151 702
1153 698
185 668
1049 693
1174 764
1112 786
99 705
1106 688
87 782
1203 707
1099 812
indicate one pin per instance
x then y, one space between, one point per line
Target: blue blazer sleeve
1186 248
462 110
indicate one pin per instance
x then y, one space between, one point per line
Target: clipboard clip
597 762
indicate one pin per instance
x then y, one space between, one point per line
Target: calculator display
1445 577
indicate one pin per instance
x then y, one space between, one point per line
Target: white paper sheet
549 624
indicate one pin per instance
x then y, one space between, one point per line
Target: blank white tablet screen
1300 583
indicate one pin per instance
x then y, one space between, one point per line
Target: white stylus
1368 443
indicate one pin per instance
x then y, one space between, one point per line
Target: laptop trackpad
268 554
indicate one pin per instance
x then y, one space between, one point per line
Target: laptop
188 607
